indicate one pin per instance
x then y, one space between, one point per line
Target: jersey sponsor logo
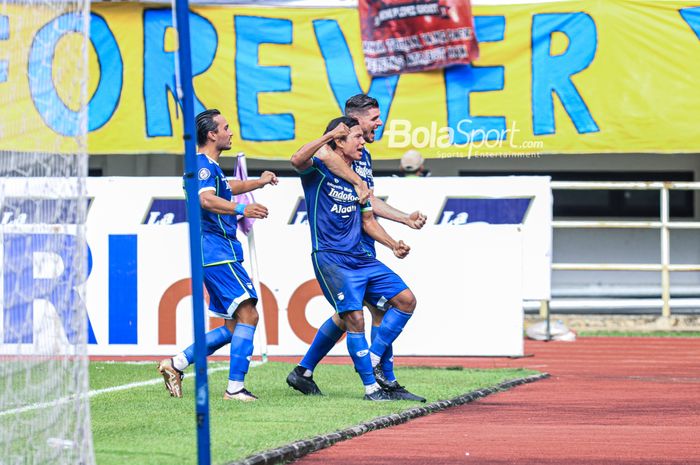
203 174
343 209
461 211
166 211
21 210
344 195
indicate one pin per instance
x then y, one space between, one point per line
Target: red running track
609 401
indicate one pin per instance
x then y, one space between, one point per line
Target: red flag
241 173
404 36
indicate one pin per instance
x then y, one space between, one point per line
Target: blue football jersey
219 243
363 168
334 214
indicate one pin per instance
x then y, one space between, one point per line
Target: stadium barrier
664 225
486 247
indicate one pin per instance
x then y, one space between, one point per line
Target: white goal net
44 330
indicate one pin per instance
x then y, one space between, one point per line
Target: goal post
44 406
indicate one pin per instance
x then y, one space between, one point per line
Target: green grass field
144 425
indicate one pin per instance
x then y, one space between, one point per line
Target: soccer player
232 295
343 267
366 110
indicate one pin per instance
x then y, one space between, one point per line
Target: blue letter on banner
53 111
690 15
462 80
341 71
159 66
123 289
253 79
552 74
4 35
22 287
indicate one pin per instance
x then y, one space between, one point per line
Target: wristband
240 208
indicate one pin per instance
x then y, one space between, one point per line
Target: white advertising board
487 245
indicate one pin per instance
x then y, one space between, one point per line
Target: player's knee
354 321
406 301
247 313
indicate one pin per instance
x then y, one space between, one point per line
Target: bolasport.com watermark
463 140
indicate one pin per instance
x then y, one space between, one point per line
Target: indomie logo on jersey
21 210
459 211
166 211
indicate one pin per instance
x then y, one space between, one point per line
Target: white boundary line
97 392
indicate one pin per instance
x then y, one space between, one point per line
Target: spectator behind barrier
412 165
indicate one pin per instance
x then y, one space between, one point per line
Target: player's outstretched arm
241 187
210 202
379 234
415 220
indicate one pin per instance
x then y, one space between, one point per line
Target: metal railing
664 225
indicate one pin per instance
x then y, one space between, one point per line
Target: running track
608 401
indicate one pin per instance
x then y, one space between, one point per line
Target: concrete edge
298 449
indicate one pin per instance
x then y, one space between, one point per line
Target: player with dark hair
365 110
232 295
345 270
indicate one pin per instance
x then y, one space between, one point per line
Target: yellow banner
592 76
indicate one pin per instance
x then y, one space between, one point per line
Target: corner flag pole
185 95
261 332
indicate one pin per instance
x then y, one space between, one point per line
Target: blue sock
241 350
387 361
216 339
357 346
326 337
392 325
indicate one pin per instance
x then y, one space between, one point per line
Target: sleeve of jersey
366 207
315 162
206 179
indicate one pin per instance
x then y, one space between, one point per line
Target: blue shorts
346 280
228 286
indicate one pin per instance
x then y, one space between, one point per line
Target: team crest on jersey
460 211
165 211
203 174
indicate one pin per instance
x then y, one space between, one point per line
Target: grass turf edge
298 449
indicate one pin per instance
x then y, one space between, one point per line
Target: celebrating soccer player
231 292
346 271
366 110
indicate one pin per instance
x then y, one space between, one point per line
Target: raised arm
379 234
241 187
301 160
337 166
415 220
